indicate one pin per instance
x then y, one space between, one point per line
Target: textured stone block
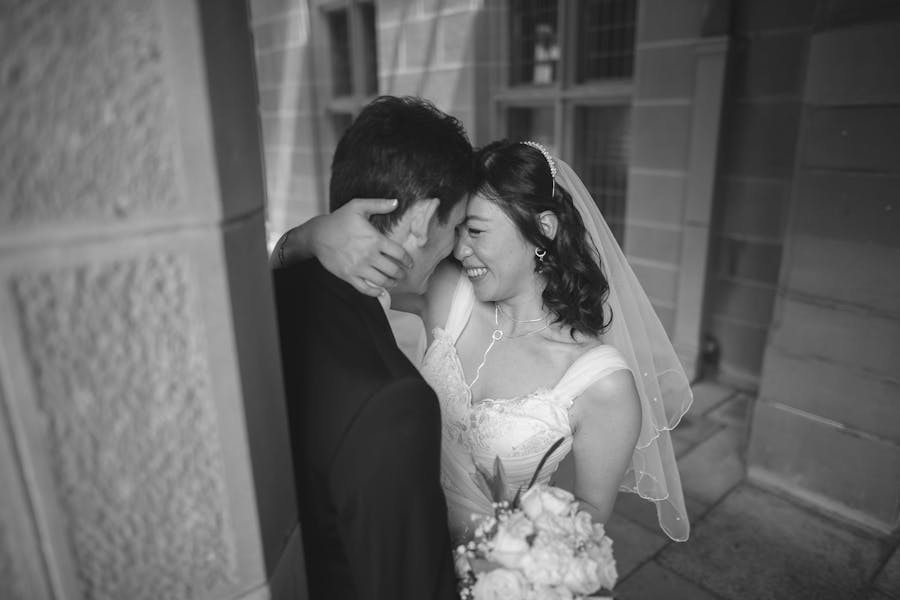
659 283
653 243
660 138
854 207
754 207
760 138
866 341
743 302
855 66
848 396
814 459
741 259
660 20
755 544
859 275
742 346
707 396
288 30
665 72
836 14
287 130
657 197
770 65
456 36
86 109
284 66
264 9
762 15
122 387
853 138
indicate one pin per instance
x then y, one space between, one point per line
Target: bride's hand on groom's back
347 244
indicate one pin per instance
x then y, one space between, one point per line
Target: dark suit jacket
365 433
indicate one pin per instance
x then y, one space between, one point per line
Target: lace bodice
520 429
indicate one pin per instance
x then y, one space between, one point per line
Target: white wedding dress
518 430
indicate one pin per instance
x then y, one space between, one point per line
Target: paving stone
735 411
653 581
643 512
877 595
632 544
888 580
757 545
713 468
694 429
708 395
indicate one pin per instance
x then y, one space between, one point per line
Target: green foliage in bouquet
494 484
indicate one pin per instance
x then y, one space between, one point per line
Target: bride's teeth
476 272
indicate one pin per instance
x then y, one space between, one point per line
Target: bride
539 331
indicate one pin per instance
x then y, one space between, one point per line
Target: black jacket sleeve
385 480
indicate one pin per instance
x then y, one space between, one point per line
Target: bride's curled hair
516 177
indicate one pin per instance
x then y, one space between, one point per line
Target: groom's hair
403 148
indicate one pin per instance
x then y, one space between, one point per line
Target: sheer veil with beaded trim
664 389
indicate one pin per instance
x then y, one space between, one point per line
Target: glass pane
601 159
534 124
605 39
534 56
370 47
339 33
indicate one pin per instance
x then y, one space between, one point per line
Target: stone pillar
827 425
679 77
143 448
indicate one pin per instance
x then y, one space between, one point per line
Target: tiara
540 148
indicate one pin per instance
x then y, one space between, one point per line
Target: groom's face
441 240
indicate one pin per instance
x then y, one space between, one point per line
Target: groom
365 427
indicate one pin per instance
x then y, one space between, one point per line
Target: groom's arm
391 509
347 245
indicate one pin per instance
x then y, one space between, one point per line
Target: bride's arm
608 425
347 245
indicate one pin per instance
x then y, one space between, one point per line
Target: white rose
582 577
554 524
583 527
499 584
606 565
510 543
547 560
547 592
550 499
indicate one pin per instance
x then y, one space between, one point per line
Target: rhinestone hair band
540 148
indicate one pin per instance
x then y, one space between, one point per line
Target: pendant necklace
497 334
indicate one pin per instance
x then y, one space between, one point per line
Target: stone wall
143 452
827 427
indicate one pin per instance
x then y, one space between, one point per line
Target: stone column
143 448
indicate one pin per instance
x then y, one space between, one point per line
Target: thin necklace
497 334
514 320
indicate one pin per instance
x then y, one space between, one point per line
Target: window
569 87
353 54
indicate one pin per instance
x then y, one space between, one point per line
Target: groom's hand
349 246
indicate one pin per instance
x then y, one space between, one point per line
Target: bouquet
539 546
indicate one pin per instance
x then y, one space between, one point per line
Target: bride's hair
516 177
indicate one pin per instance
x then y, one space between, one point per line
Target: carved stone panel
118 359
85 113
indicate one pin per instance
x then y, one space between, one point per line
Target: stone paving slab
755 545
888 580
632 544
643 512
691 431
876 595
652 582
734 411
708 395
713 468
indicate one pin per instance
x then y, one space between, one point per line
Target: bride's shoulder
441 289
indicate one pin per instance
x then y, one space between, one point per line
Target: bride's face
497 259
